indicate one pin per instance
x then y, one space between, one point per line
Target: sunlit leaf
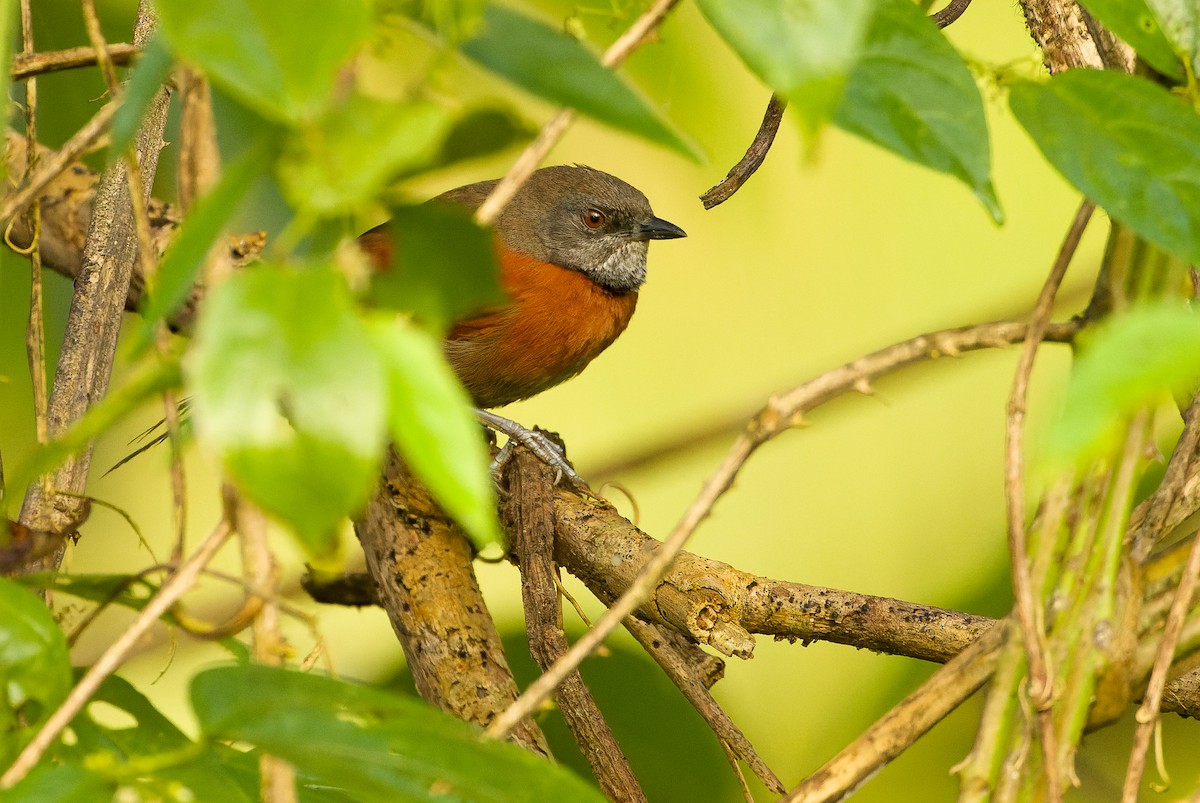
803 49
1127 144
912 93
1180 24
282 59
432 424
1132 361
57 783
289 391
35 673
372 744
342 160
554 66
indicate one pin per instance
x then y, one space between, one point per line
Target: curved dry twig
752 160
953 10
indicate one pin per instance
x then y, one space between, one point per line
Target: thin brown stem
1028 605
740 173
29 64
948 15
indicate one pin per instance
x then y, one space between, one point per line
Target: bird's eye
593 218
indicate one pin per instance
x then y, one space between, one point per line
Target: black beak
658 229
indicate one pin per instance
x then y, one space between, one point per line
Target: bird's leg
541 444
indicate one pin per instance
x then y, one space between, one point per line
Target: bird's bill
658 229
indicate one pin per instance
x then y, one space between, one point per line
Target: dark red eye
593 218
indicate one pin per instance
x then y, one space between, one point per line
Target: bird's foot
542 444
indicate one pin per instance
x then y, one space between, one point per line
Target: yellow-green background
819 259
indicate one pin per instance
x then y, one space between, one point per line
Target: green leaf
481 132
1127 144
1133 360
443 265
552 65
282 59
35 673
185 256
1133 21
1180 24
431 421
805 50
145 80
289 391
912 93
128 590
372 744
342 160
57 783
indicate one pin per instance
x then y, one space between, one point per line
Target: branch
421 564
93 323
32 64
755 154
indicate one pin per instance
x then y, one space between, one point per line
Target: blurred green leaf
554 66
61 783
1180 23
805 50
128 590
912 93
1127 144
443 265
280 58
35 673
372 744
1132 361
1133 21
453 20
185 256
432 423
481 132
340 162
290 392
146 78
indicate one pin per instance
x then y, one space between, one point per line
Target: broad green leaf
339 162
805 50
177 767
184 258
1127 144
35 673
443 265
61 783
431 421
282 59
290 392
372 744
1133 21
483 131
145 80
1133 360
1180 23
554 66
911 92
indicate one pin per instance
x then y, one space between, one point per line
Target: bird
572 249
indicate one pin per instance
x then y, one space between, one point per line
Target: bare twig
112 658
900 727
1148 713
947 16
529 517
1028 598
752 160
30 64
94 320
553 130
